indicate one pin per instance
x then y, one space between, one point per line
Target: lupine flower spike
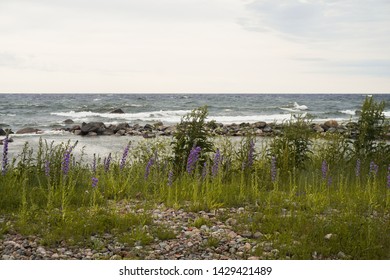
148 167
273 169
107 162
251 153
324 169
217 160
95 182
5 155
66 162
193 159
47 168
124 156
373 168
357 169
170 178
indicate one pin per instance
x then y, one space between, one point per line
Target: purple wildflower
5 155
357 169
124 156
204 170
170 178
66 161
374 168
329 180
217 160
273 169
107 162
94 164
324 169
251 153
388 176
95 182
193 159
47 168
148 166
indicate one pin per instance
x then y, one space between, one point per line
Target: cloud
319 20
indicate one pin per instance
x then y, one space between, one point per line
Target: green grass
295 212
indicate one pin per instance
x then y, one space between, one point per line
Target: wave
167 116
348 112
296 108
387 114
278 118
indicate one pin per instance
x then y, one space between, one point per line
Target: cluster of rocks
159 129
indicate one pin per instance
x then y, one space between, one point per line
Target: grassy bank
312 198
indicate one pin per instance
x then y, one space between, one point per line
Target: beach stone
148 127
92 133
117 111
158 124
259 125
267 129
68 121
331 123
28 130
121 126
92 127
77 132
328 236
318 128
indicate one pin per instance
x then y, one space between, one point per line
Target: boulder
157 125
68 121
331 123
97 127
318 128
148 127
259 125
267 129
117 111
28 130
121 126
92 133
121 132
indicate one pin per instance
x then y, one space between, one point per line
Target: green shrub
191 132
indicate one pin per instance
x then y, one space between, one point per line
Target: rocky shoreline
260 128
218 239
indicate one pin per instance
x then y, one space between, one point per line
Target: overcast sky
195 46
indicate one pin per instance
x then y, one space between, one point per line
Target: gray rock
117 111
97 127
28 130
68 121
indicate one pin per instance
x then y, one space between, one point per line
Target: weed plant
310 198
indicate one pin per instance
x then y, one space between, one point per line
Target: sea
47 112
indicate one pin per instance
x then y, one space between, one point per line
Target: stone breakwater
260 128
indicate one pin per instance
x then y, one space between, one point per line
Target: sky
194 46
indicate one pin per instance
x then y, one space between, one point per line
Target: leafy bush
372 127
191 132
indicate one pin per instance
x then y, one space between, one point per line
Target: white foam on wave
167 116
278 118
387 114
296 108
348 112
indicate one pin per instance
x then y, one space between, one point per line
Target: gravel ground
217 240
